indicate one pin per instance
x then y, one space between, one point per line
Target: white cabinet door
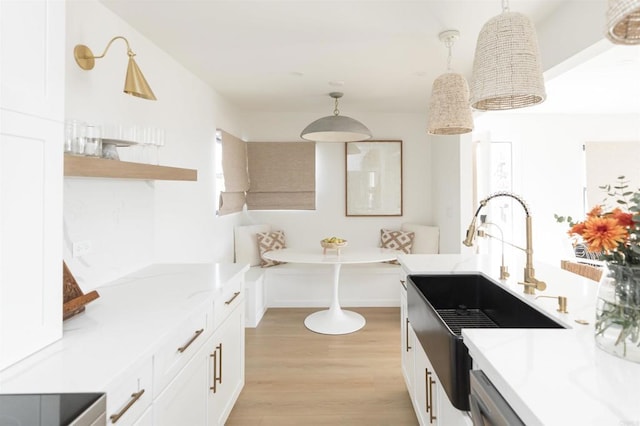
226 367
32 55
184 400
32 52
430 400
31 229
406 340
425 397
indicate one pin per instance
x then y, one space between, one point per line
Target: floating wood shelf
100 167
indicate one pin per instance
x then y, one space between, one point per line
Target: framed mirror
373 171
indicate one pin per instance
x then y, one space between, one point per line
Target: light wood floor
297 377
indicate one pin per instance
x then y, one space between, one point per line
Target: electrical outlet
82 248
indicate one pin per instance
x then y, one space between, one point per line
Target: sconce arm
86 60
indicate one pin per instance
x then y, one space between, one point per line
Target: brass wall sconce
134 83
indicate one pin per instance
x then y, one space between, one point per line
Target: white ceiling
287 55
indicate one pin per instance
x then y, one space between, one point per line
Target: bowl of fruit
334 243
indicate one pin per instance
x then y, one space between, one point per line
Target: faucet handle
534 284
562 303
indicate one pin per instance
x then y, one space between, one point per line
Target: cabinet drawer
178 347
230 296
130 395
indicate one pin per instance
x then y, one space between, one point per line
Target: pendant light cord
335 108
505 6
449 44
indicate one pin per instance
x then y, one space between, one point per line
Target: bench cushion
246 243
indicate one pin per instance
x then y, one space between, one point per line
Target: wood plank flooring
297 377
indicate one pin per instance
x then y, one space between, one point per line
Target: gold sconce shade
623 21
134 84
507 70
449 110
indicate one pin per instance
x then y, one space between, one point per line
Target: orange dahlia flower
577 229
624 219
596 211
603 233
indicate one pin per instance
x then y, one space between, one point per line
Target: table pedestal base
334 321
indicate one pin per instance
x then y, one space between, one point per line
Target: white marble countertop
552 376
131 316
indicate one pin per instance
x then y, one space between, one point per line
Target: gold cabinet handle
431 416
219 347
403 283
134 397
236 294
217 367
195 336
406 329
427 378
214 355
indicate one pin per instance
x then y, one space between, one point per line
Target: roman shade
283 176
236 178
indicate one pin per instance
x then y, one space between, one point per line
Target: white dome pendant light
623 21
507 70
449 110
336 127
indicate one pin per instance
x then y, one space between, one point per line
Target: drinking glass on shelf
93 144
75 137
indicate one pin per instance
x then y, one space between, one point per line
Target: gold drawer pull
406 328
403 283
195 336
220 361
217 370
134 397
431 416
427 378
214 355
236 294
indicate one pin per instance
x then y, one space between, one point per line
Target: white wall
133 223
549 167
452 189
307 228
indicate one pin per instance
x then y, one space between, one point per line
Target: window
233 163
282 175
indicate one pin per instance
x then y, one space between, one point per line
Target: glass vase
617 329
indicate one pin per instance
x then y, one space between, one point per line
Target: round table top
346 255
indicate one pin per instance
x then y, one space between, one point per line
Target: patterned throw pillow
268 241
396 240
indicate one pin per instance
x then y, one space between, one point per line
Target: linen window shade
283 176
236 178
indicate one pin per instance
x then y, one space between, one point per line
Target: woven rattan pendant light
449 110
623 21
507 72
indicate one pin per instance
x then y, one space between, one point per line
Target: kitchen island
548 376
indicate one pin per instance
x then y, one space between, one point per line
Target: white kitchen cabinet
184 401
146 419
226 366
406 338
199 368
32 55
425 392
130 394
31 134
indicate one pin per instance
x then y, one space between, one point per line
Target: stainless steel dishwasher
488 407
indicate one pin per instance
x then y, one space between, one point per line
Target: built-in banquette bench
308 285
